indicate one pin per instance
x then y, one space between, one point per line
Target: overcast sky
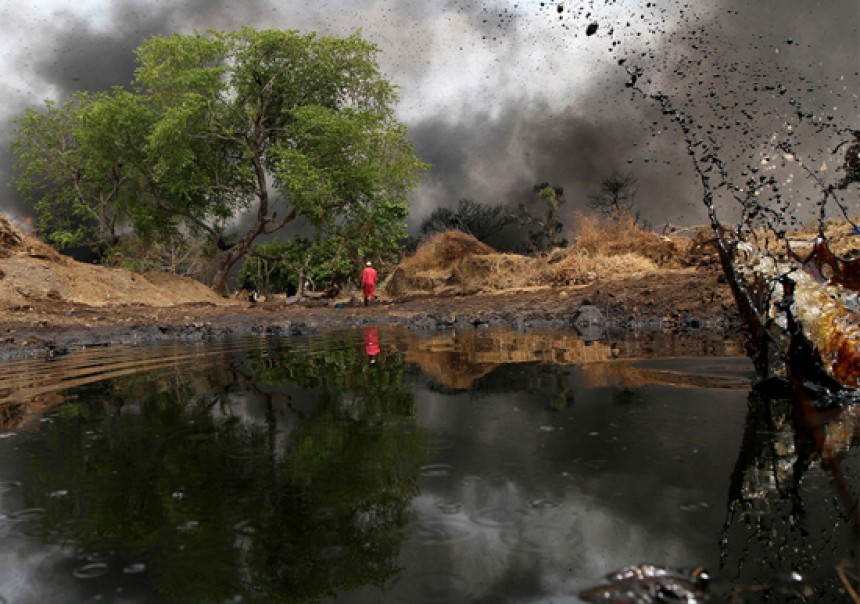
500 94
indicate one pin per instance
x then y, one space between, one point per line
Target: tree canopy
228 137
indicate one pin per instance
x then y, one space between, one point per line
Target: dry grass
443 250
578 266
454 263
619 236
497 271
840 235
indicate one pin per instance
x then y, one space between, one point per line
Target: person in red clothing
368 283
371 341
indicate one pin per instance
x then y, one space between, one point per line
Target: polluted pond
379 465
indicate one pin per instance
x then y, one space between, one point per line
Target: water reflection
791 507
378 465
271 474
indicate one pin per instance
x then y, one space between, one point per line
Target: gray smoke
501 95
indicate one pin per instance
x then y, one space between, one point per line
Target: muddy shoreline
698 305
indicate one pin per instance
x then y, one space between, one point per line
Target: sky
502 94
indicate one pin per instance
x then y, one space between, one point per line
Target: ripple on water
493 517
543 504
27 515
243 454
5 487
244 527
449 507
438 443
134 569
333 552
90 571
66 529
445 531
326 513
436 470
95 557
433 587
694 507
188 525
543 538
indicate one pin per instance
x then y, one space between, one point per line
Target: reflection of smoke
499 98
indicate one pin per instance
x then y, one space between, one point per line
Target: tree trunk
236 253
300 290
241 248
219 282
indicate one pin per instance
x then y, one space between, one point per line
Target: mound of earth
33 272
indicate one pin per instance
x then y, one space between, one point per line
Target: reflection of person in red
371 341
368 283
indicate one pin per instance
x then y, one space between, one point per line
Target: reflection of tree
775 525
563 395
188 485
625 396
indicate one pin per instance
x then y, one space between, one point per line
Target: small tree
546 230
615 196
479 220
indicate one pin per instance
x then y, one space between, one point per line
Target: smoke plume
500 95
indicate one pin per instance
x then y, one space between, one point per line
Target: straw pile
455 263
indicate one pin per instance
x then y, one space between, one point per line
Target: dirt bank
51 303
676 300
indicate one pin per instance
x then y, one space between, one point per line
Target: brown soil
49 301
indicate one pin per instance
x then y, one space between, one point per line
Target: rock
397 284
588 315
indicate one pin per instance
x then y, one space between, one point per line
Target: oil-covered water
380 466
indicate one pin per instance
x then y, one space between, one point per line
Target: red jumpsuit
371 340
368 283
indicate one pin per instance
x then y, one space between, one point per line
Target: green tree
546 229
77 165
268 125
337 258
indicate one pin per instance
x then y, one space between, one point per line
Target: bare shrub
192 260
